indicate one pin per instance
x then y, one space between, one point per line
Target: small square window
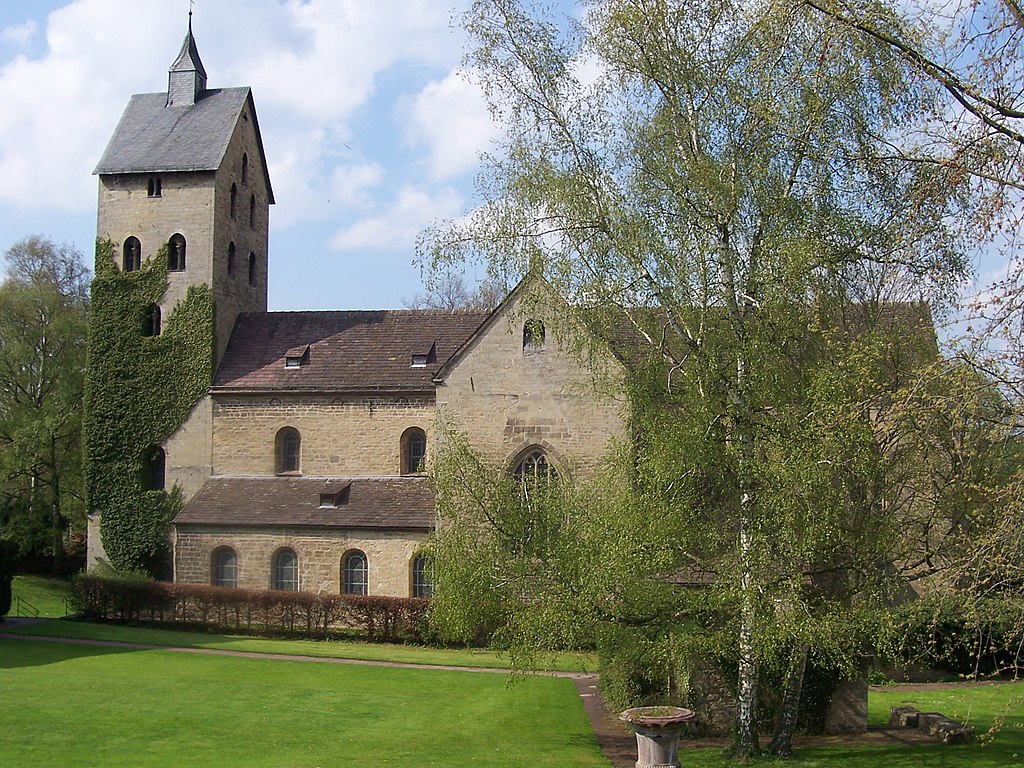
419 361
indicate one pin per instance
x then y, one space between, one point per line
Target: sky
371 130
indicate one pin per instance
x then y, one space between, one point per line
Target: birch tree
714 177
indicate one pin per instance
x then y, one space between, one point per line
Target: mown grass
89 706
335 649
45 594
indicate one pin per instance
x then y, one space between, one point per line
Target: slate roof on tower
381 350
155 135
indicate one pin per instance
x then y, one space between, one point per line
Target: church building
302 460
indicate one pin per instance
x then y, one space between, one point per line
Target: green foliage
43 323
139 389
971 638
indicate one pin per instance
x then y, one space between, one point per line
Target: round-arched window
354 573
131 254
287 450
285 575
224 568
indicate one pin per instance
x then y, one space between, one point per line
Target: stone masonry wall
232 290
507 397
389 556
185 206
189 451
340 436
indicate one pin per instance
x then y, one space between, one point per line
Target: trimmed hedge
307 614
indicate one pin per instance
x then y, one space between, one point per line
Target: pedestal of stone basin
657 734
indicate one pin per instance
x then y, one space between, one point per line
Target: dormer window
422 359
297 357
338 498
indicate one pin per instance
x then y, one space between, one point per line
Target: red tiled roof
369 350
391 503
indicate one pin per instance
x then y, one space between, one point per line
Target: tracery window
534 466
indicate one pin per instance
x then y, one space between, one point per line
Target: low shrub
130 598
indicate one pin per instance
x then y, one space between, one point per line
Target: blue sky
370 129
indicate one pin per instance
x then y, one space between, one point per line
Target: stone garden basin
657 734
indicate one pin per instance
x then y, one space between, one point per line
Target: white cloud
413 209
311 64
451 116
21 34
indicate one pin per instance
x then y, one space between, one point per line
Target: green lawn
87 706
409 654
44 593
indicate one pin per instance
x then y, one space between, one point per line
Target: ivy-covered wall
138 390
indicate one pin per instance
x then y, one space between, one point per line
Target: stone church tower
186 169
184 190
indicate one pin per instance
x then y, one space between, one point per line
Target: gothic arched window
231 258
154 468
533 336
534 466
245 168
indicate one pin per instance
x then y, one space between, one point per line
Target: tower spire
186 79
